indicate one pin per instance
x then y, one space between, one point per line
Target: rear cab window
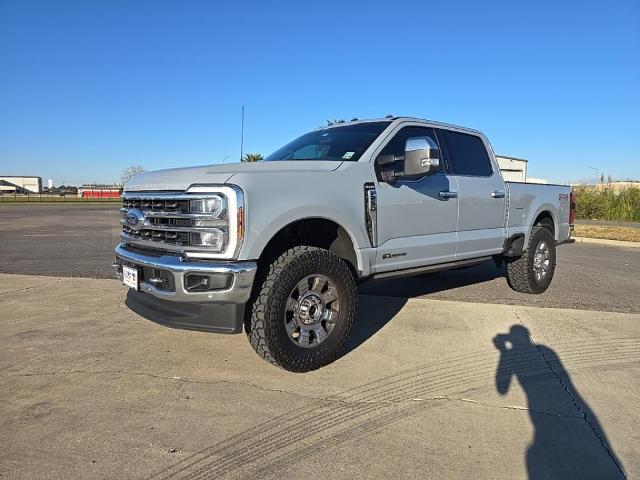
467 154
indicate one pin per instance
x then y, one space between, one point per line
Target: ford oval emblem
135 219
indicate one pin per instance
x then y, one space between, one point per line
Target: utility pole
242 134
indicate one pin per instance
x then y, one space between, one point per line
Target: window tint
397 143
467 155
347 142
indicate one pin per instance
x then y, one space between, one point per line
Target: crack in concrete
301 395
31 287
506 407
174 377
574 401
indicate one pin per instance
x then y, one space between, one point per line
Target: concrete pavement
427 389
605 241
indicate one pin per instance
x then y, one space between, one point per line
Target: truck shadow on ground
379 301
373 313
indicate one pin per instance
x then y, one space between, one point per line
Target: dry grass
608 203
629 234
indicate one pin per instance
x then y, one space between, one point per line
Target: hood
183 178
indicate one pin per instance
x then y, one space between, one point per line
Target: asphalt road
76 240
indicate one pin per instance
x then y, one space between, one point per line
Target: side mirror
421 157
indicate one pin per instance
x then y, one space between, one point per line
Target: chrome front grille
169 237
172 221
157 205
165 222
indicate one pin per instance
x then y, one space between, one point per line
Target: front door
416 221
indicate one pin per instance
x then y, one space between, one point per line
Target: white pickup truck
278 247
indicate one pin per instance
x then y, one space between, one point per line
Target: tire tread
520 270
262 322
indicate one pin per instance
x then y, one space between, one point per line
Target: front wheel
303 309
533 271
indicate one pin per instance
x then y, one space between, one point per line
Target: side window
467 154
397 143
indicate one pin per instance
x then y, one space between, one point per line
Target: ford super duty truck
278 247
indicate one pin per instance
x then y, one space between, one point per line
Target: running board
431 268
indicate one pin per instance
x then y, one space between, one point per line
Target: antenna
242 134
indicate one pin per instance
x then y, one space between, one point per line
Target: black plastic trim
431 268
202 317
514 245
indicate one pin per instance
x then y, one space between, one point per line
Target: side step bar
431 268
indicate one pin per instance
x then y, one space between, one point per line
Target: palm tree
252 157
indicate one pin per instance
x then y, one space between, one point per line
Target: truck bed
525 201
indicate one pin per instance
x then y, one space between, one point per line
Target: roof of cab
390 118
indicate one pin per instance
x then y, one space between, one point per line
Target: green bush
607 204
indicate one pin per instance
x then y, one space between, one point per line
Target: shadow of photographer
564 445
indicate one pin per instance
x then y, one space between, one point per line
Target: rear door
416 224
481 195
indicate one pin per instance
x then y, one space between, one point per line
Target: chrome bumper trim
243 273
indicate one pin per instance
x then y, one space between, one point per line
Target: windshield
336 143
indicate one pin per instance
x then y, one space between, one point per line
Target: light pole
242 134
222 161
594 168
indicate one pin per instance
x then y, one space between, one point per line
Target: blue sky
88 88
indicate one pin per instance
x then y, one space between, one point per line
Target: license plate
130 277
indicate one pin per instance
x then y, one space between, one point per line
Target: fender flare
260 242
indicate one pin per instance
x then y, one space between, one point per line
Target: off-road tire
520 273
265 313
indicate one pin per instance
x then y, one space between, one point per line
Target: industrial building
17 184
99 191
515 170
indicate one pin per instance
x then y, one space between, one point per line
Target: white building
536 180
513 169
15 184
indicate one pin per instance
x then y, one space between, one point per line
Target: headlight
214 206
218 221
214 238
212 212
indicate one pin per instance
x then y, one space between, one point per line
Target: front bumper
172 304
174 270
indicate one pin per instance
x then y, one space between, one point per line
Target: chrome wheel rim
541 261
312 310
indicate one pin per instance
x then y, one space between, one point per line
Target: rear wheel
533 271
303 309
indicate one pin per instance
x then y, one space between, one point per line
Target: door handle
497 194
448 194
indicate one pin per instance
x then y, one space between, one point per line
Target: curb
604 241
